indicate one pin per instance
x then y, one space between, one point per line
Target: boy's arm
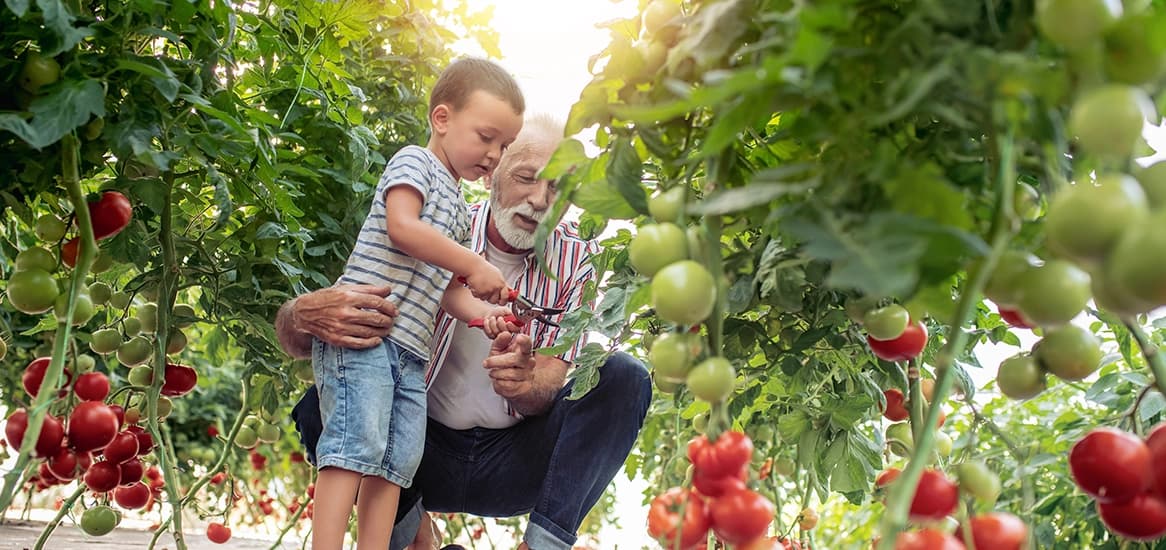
424 242
461 305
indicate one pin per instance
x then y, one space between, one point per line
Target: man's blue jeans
554 466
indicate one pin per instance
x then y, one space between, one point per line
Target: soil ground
21 535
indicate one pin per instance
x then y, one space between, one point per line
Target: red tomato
131 471
69 251
91 386
213 431
935 496
92 426
180 379
1156 442
741 516
102 476
1014 318
716 486
218 478
48 443
218 533
120 413
927 539
133 496
145 440
896 410
63 465
110 214
723 457
907 346
123 447
296 457
666 524
1141 518
1110 465
998 531
887 476
34 375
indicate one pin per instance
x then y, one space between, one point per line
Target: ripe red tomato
741 516
92 425
123 447
218 478
110 214
63 465
1014 318
133 496
927 539
102 476
145 440
907 346
998 531
34 376
935 496
69 251
1110 465
1141 518
180 379
896 410
723 457
1156 442
91 386
665 523
714 486
47 443
887 476
218 533
131 471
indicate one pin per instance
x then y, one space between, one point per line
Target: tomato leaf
20 127
922 191
58 20
585 372
159 74
749 196
610 316
19 7
626 170
68 106
852 460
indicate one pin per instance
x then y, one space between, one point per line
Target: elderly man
502 439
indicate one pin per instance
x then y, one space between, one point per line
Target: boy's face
473 138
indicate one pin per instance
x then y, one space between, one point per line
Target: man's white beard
515 236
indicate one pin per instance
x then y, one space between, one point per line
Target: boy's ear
439 118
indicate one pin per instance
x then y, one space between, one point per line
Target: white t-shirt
462 397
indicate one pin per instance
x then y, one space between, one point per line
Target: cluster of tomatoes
684 293
1126 476
719 499
891 333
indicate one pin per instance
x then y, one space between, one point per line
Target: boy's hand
494 322
486 283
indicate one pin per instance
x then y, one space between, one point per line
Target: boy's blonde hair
465 76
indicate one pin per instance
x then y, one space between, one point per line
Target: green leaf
604 198
19 7
58 20
159 74
792 425
15 124
851 460
922 191
69 106
850 411
610 316
566 159
740 295
574 324
626 170
743 198
585 374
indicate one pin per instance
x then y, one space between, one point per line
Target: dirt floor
21 535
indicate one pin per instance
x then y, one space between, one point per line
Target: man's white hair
541 129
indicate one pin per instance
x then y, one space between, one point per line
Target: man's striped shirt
417 286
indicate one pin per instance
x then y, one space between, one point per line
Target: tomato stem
1151 352
71 180
915 400
66 506
903 491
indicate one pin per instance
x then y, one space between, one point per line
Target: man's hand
351 316
511 365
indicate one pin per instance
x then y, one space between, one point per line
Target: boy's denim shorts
372 402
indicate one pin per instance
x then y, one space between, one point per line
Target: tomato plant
908 345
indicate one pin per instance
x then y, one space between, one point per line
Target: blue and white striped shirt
417 286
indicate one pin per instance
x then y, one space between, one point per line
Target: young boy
416 240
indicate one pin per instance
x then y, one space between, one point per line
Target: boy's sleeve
407 167
570 299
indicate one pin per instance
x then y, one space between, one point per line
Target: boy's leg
335 491
376 506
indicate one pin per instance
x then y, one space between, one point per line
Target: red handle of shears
480 322
512 296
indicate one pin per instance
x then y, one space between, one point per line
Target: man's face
519 200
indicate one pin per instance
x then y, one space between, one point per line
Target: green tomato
135 351
148 315
1020 377
93 129
1113 297
665 206
656 246
50 228
1002 286
99 520
1137 266
100 292
246 437
1052 294
84 363
659 13
700 422
671 356
177 341
101 263
1108 120
183 315
267 433
1026 202
165 407
38 71
1085 220
684 293
142 375
697 243
1069 352
856 307
33 291
36 258
131 326
1153 180
1074 24
120 300
1131 56
83 309
943 444
666 386
900 439
3 348
978 481
252 421
712 380
785 466
886 323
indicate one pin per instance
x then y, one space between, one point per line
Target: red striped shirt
568 256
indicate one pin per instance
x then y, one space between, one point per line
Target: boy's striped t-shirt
417 287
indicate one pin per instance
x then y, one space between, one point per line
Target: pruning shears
522 310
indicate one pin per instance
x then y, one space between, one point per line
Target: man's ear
439 119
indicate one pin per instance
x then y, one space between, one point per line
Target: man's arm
351 316
530 383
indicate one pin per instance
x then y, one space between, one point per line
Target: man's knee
624 375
